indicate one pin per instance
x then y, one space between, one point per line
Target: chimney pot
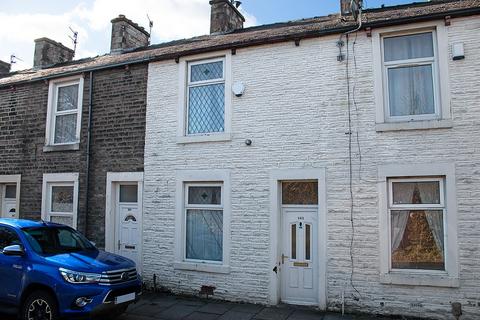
126 35
49 52
225 16
4 69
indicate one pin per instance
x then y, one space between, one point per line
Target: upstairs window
411 77
206 97
64 111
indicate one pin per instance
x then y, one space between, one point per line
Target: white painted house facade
257 184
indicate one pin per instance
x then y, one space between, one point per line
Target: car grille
118 276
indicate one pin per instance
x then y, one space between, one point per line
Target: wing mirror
15 250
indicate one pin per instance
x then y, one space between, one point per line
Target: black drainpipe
87 161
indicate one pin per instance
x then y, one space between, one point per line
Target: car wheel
39 305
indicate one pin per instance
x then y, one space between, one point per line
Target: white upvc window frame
187 178
410 207
52 112
442 117
188 206
59 179
429 61
441 182
184 86
445 173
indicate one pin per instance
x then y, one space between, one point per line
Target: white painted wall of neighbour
294 110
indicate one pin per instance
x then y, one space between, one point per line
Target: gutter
258 42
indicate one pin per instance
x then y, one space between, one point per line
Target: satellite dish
238 89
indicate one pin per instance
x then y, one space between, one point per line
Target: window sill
410 279
414 125
202 267
62 147
215 137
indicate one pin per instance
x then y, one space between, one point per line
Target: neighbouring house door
299 267
9 201
128 237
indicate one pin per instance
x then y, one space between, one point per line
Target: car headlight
79 277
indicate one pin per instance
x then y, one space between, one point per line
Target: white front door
9 208
299 267
129 223
9 201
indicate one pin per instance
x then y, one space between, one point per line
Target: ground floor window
418 224
204 222
60 198
417 213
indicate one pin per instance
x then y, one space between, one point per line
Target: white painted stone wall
295 112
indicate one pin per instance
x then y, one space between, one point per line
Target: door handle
283 258
118 244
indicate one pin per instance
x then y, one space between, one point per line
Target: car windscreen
56 240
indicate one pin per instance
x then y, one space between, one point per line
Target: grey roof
273 33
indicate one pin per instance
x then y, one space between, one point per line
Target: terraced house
72 137
330 162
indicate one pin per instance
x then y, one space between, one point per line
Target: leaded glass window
204 222
206 97
410 69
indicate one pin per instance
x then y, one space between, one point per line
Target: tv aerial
74 38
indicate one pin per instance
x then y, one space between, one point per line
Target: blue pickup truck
50 271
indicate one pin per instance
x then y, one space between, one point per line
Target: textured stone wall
118 135
295 111
49 52
118 128
224 17
127 35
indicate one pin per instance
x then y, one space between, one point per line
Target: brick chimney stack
4 68
127 35
49 52
345 8
225 16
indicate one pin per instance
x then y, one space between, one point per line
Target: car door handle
129 247
17 266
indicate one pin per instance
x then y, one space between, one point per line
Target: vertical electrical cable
350 165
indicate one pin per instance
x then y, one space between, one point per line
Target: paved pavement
169 307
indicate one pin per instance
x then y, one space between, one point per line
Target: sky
22 21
